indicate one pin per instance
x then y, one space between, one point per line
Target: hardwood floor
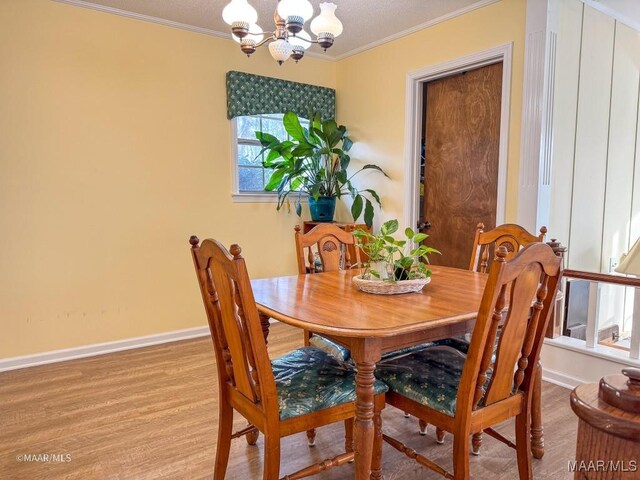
151 413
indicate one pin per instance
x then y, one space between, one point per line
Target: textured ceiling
366 22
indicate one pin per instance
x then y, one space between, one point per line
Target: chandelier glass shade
280 50
289 40
293 8
327 22
239 11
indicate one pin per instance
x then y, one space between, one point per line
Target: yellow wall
371 90
114 148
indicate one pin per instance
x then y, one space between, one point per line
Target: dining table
370 325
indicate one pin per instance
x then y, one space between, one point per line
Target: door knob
424 225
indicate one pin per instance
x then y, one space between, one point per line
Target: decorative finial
297 228
501 254
480 226
235 250
557 247
194 241
543 230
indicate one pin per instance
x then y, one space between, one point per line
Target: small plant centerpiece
394 266
314 161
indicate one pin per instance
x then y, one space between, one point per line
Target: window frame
247 196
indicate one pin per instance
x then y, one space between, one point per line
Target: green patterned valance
249 94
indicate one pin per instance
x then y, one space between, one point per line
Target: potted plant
394 266
314 161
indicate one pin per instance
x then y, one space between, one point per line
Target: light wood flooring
151 413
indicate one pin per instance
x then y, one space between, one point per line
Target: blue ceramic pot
322 209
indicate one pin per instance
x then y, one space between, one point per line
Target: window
250 176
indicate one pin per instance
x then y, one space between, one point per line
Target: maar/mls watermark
43 457
621 466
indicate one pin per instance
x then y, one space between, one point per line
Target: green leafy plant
405 259
315 161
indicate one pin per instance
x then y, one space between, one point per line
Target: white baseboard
14 363
54 356
560 379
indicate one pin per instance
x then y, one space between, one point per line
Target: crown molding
225 35
620 17
417 28
168 23
146 18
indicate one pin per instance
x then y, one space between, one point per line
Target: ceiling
367 23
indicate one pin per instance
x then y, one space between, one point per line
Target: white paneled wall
591 140
620 169
564 116
595 191
594 209
622 144
595 202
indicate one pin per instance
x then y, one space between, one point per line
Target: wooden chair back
331 243
512 237
519 295
241 352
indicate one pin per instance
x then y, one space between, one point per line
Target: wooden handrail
603 277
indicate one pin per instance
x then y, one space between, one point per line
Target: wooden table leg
376 460
365 353
537 431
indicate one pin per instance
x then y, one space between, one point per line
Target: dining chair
304 389
466 394
324 249
513 237
331 244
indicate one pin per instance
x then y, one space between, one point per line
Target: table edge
364 333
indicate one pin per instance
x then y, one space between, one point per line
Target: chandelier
289 40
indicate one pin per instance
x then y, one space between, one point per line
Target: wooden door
462 137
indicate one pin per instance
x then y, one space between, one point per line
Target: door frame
413 123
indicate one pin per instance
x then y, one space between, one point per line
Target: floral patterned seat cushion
330 347
429 376
309 379
342 353
461 343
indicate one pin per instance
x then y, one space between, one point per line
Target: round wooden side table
608 445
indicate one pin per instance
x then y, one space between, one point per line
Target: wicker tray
382 287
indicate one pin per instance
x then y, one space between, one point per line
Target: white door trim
413 112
